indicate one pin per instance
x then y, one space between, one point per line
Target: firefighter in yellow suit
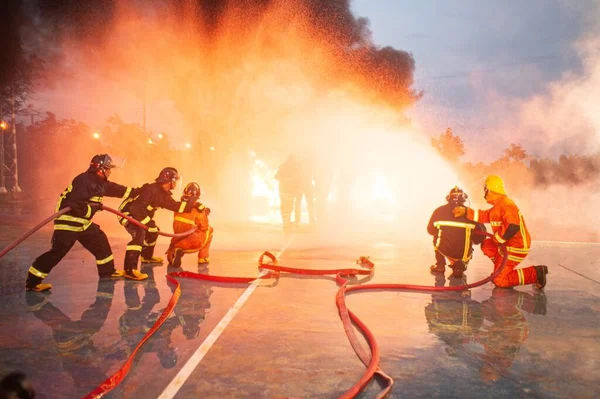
200 240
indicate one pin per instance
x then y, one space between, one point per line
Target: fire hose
348 318
50 218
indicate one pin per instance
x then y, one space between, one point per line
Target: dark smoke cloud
386 74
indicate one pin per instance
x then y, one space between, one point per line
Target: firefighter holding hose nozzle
453 238
199 241
508 226
142 208
84 197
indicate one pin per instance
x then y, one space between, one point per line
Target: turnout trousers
142 243
93 239
509 277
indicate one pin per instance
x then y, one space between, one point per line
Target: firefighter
142 208
508 226
290 190
84 196
307 191
507 329
453 239
199 241
74 339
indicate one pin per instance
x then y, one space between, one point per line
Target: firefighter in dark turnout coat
452 237
142 208
84 196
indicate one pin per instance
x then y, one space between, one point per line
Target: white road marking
171 390
566 242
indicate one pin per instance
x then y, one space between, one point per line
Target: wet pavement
287 339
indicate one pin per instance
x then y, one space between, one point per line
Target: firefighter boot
153 259
118 273
135 274
176 258
541 272
437 268
458 268
39 287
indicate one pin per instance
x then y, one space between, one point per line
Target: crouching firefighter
84 196
142 208
508 226
453 238
199 241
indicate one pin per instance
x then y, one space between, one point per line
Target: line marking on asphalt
567 242
579 274
171 390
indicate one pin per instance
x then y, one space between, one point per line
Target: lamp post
3 127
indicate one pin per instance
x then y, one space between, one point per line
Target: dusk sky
472 56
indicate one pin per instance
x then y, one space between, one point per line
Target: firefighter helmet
192 190
168 175
495 184
457 196
101 162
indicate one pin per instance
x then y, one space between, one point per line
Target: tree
450 146
516 153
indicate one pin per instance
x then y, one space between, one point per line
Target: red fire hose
50 218
370 360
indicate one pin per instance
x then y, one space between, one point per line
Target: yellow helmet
495 184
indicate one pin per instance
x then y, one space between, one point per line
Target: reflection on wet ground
287 339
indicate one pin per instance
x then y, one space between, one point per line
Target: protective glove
98 207
207 211
459 211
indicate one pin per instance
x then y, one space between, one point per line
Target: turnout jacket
197 216
453 236
503 213
86 190
151 197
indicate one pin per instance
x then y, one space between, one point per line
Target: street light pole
2 128
16 188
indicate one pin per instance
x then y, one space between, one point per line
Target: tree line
520 167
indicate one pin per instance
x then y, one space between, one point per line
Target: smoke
245 84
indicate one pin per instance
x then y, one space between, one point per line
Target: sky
472 55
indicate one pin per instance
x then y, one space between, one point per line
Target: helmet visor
118 162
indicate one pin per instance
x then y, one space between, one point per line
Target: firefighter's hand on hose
96 206
459 211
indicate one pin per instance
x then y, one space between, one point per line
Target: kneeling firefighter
142 208
84 196
200 240
508 226
453 239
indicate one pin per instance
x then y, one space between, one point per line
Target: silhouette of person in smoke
502 340
453 316
290 190
322 173
79 357
307 190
